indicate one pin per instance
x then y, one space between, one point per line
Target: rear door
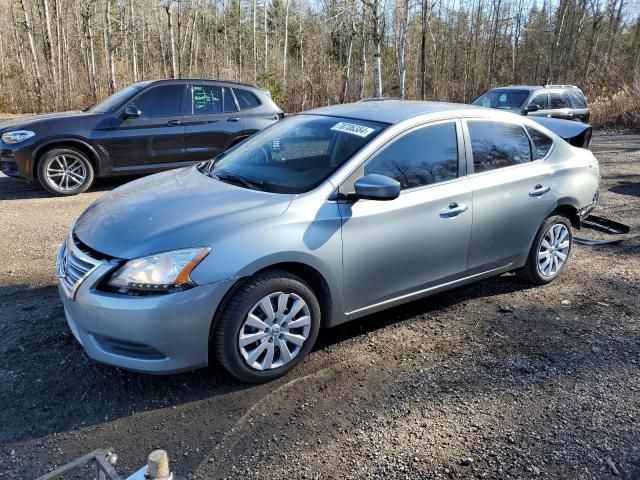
155 139
559 105
212 121
512 193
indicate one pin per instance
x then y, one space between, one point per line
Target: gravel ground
493 380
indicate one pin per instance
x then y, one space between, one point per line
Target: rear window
542 143
577 98
246 99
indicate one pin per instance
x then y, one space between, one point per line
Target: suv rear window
246 99
577 98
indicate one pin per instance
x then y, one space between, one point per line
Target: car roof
389 111
190 80
518 87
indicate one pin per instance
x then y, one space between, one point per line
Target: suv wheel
267 327
550 251
65 171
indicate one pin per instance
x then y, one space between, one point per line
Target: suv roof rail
560 86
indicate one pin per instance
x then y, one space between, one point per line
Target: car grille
73 265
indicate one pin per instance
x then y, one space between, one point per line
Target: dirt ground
493 380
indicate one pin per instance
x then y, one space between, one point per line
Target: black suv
145 127
554 101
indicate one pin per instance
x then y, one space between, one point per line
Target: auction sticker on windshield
353 128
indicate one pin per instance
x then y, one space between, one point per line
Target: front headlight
17 136
163 273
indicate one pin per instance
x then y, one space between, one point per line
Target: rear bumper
587 209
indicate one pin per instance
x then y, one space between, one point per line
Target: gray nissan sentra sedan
322 218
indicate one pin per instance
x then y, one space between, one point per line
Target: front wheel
267 327
65 171
550 251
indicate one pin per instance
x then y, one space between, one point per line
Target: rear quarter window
246 99
541 143
577 99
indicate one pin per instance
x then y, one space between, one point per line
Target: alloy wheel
66 172
274 331
554 250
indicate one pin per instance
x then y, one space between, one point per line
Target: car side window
420 157
207 99
228 101
541 100
541 142
246 99
163 101
497 145
577 98
558 100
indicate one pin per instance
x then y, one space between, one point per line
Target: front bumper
15 161
154 334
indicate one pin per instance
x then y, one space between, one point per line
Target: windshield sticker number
352 128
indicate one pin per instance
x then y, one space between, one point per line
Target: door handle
453 210
174 123
539 190
233 119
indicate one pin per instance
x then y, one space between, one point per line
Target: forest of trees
65 54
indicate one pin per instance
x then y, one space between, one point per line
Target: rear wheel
65 171
267 327
550 251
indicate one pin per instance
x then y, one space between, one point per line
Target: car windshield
503 99
294 155
116 99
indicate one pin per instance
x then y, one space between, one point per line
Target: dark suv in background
553 101
146 127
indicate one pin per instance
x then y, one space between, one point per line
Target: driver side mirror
131 112
530 108
377 187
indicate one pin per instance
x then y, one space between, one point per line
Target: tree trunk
172 45
34 56
133 43
110 48
50 51
285 51
266 36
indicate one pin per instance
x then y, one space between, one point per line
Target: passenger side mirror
131 112
377 187
530 108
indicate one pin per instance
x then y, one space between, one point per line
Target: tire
539 272
232 336
65 171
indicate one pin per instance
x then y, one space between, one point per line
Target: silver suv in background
553 101
322 218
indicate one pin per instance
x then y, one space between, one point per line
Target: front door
213 122
155 139
398 248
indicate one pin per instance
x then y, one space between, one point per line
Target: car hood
28 121
172 210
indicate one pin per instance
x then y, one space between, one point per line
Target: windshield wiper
232 178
